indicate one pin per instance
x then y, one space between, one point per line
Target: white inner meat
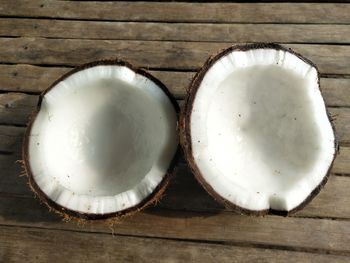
260 133
103 140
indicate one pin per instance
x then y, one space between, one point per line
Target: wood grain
10 138
181 12
341 117
231 33
19 244
336 91
16 108
342 162
174 40
331 59
27 78
34 79
303 234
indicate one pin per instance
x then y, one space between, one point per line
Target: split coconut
255 129
102 142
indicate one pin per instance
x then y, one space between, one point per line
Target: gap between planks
154 249
181 12
282 33
331 59
224 243
305 234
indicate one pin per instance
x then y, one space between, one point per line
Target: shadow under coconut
21 205
26 210
186 194
183 194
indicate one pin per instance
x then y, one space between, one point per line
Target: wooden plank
318 235
28 78
232 33
18 244
16 109
321 236
331 59
342 162
341 117
334 197
10 138
12 180
336 91
184 192
181 12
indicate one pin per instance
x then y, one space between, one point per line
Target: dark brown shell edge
69 214
185 132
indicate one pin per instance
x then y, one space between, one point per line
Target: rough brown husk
185 131
69 214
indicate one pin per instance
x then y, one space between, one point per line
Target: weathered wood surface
39 245
231 33
41 40
304 234
320 13
331 59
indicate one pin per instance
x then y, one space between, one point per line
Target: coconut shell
185 130
69 214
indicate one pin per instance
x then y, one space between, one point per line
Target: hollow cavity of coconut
255 129
102 141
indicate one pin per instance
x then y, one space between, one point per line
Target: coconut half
255 129
102 142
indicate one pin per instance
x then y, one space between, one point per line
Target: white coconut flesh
261 137
103 140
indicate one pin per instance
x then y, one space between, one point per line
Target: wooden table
40 40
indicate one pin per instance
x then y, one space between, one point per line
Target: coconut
255 130
102 141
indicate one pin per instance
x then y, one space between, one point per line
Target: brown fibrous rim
70 214
185 130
